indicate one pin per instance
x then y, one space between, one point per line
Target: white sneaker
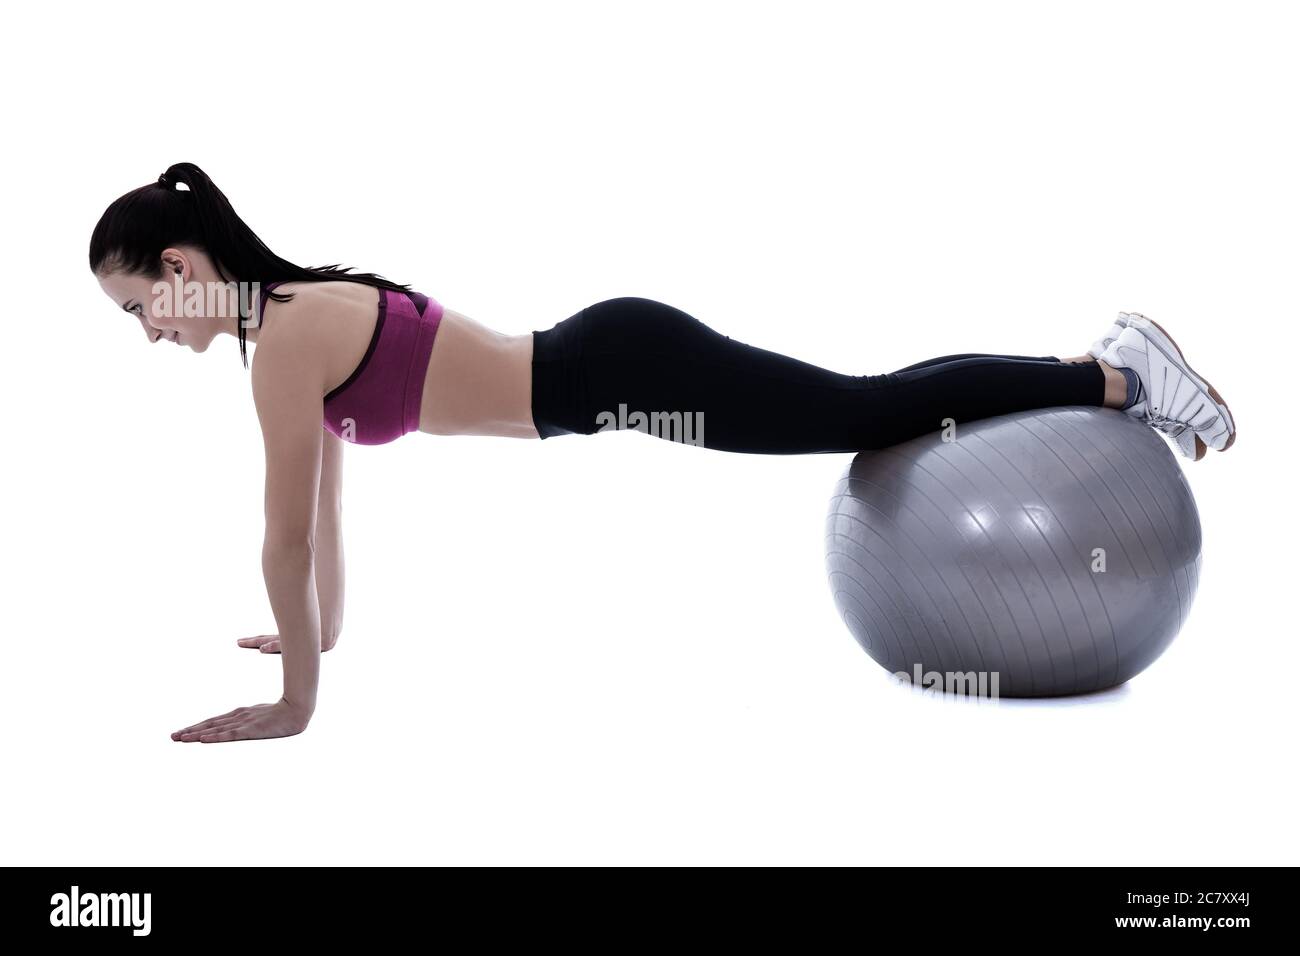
1220 438
1111 335
1175 400
1188 443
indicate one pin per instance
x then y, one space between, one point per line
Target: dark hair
134 230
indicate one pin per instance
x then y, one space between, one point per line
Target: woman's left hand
280 719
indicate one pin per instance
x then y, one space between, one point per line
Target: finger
238 711
201 725
257 641
211 728
271 647
221 736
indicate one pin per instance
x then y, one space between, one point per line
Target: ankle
1116 386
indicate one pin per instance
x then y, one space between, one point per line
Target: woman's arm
329 541
329 551
287 389
289 407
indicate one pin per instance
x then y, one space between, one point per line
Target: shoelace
1174 427
1170 426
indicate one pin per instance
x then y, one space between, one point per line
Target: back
380 400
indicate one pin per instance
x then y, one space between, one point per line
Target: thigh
644 357
943 359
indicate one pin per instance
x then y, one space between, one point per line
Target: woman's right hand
270 643
266 643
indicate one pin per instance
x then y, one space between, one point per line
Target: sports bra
380 400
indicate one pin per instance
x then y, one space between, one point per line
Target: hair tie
162 181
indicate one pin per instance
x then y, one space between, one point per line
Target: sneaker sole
1213 392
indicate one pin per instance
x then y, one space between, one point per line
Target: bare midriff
479 382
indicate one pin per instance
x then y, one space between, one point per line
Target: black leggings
600 367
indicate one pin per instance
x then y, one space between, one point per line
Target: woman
372 360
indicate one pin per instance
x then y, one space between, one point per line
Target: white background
615 649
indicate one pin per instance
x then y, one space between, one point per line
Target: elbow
329 514
283 548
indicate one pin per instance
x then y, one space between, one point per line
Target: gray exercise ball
1056 551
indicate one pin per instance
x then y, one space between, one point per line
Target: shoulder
289 341
309 336
290 358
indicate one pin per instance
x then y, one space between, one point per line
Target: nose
153 334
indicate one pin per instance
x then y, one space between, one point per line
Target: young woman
372 360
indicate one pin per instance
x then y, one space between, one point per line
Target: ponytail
132 233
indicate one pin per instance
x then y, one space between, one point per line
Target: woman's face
173 308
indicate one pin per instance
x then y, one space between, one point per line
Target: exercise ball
1054 551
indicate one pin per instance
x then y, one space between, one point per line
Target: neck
229 325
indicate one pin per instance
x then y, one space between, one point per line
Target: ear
176 261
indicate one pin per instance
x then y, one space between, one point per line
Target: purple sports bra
380 400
